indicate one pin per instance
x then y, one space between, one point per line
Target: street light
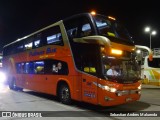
148 29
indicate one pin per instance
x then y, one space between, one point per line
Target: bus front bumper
120 97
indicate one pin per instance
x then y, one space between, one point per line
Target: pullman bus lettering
36 53
51 50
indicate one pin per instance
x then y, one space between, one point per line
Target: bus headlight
106 88
116 51
113 89
110 89
2 77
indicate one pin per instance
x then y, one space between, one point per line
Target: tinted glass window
56 67
78 27
20 68
28 43
104 26
29 68
43 67
154 63
37 40
53 35
37 43
39 67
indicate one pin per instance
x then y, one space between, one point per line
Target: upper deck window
109 27
78 27
28 45
53 35
36 43
53 38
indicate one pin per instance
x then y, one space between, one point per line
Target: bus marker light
112 18
116 51
93 12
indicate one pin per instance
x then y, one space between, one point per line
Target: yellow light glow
110 17
102 49
116 51
93 12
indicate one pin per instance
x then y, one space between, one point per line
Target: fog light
138 92
108 98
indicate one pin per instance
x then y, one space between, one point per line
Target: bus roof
54 24
20 39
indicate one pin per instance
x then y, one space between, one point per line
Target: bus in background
151 69
74 59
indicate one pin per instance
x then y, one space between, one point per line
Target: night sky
19 18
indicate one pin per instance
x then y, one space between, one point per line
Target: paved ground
149 86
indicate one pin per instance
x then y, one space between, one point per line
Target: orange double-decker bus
89 58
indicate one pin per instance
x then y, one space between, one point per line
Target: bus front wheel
64 94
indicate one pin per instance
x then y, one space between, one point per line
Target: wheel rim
65 94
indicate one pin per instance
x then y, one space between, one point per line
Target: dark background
19 18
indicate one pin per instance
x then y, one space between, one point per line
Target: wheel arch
61 82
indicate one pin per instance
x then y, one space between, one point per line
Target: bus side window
29 68
78 27
62 68
37 41
86 30
29 43
53 36
39 67
56 67
20 68
19 47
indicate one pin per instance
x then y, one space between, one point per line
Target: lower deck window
43 67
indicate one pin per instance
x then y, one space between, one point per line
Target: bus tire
12 85
64 94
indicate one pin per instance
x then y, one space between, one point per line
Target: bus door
89 80
87 59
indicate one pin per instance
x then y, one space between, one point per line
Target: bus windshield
122 70
108 27
155 63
